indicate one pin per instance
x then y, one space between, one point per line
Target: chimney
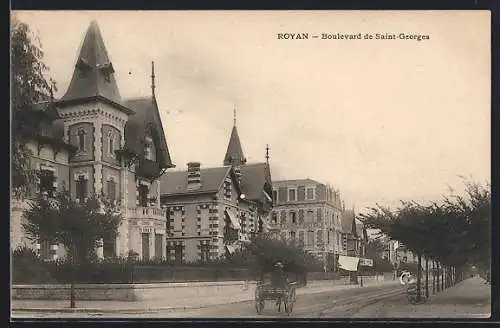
194 175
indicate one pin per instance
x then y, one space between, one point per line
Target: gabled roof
176 182
253 180
234 153
93 76
146 117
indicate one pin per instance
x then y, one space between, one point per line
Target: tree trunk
426 278
442 277
438 282
433 277
419 277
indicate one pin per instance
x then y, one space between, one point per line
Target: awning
231 249
234 220
348 263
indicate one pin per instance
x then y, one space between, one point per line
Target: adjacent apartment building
94 141
310 213
213 211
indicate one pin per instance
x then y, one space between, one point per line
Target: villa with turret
93 141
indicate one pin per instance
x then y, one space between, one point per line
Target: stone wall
133 292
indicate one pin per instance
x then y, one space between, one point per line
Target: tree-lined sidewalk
450 236
470 298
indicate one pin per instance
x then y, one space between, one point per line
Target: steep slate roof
253 179
176 182
93 76
234 152
146 117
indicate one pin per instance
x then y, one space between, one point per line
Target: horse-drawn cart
267 292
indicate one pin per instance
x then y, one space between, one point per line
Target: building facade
92 141
354 235
213 211
310 213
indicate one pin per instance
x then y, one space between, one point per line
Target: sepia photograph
250 164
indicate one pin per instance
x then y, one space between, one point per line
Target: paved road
335 304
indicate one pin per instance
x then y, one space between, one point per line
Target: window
275 195
47 180
178 253
81 140
310 238
145 246
274 217
81 188
205 253
111 189
158 246
319 237
310 193
301 216
319 215
292 235
293 216
283 217
301 238
143 195
292 195
111 144
148 154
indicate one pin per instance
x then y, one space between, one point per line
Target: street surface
470 298
337 304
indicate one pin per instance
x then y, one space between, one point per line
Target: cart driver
278 276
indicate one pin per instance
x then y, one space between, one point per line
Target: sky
381 120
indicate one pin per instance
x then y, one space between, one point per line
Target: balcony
147 213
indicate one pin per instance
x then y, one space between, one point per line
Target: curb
121 310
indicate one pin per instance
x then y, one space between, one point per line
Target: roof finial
153 78
267 153
234 116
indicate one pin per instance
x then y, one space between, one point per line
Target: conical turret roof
234 153
94 73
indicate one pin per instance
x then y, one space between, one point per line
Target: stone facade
310 213
106 161
198 225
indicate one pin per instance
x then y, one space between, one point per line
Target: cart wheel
259 306
289 301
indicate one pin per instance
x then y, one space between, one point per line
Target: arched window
81 140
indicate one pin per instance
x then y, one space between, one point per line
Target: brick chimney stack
194 175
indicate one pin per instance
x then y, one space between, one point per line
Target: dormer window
81 140
148 144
